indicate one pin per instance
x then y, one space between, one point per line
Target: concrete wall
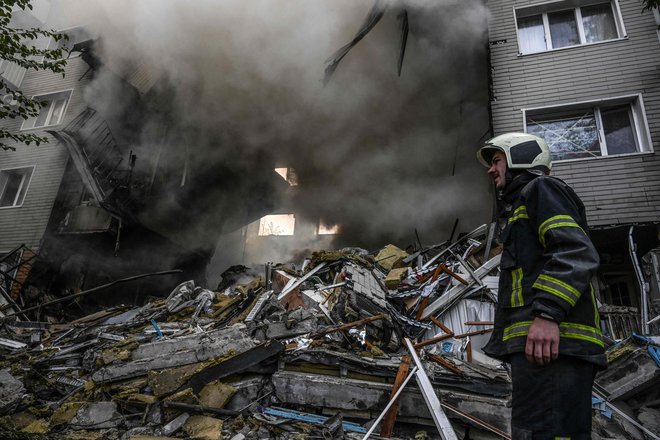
26 224
616 189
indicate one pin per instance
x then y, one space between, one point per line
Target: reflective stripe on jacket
547 265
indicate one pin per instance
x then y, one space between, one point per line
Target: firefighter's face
497 170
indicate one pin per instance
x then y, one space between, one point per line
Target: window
326 229
52 113
604 128
567 23
13 186
277 224
288 174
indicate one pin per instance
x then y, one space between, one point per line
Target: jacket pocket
510 293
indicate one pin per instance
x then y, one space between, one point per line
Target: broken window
277 224
52 113
288 174
588 130
561 24
13 186
327 229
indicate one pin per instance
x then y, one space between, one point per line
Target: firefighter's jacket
546 267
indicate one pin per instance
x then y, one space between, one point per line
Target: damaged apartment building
583 75
97 203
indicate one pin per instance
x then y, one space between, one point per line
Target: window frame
576 6
50 109
637 112
23 184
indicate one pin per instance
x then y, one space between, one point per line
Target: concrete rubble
316 351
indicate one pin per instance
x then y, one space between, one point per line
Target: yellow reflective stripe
593 300
558 288
569 330
521 302
516 330
582 332
520 212
516 287
558 221
518 217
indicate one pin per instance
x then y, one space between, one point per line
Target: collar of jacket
512 191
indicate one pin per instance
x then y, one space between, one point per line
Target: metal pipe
632 247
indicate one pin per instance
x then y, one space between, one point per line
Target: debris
319 351
11 392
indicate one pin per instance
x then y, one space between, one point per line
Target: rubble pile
327 350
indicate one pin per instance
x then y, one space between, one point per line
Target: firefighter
546 322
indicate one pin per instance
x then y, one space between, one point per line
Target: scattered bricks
97 415
203 428
216 394
393 279
391 257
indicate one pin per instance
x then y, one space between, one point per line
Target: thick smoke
378 153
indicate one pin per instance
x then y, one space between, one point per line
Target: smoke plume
380 154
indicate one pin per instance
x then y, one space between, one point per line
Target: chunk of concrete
393 279
175 424
629 374
203 428
11 392
391 257
167 381
216 394
97 415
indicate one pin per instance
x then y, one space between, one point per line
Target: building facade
585 76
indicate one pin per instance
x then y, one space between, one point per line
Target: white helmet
523 151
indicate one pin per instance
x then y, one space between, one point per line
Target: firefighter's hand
542 341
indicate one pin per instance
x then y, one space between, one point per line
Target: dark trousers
552 401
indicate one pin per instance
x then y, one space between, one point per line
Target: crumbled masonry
291 353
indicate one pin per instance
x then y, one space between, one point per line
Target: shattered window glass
277 224
568 137
599 130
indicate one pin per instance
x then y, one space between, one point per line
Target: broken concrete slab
11 392
97 415
167 347
202 349
366 399
628 374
